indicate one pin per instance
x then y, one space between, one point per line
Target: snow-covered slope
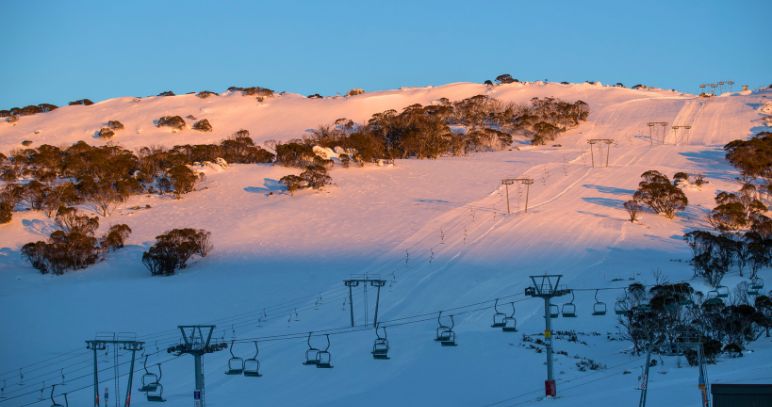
436 230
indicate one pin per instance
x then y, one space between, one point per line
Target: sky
57 51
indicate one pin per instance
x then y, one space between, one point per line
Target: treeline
420 131
103 176
673 318
742 233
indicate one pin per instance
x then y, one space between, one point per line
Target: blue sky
56 51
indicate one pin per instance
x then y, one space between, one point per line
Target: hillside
437 230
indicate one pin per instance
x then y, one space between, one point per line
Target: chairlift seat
448 338
323 359
554 311
599 308
757 284
510 325
311 357
252 368
157 395
498 320
569 310
235 366
149 382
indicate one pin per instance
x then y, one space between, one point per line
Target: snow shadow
38 226
607 202
270 186
711 163
609 190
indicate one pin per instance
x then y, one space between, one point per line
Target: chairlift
569 308
311 353
149 380
157 393
756 285
723 291
235 363
445 335
498 316
711 294
323 357
381 344
53 402
252 365
510 323
599 308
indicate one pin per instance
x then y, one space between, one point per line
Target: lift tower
546 286
101 344
366 281
196 341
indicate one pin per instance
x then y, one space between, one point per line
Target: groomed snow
436 230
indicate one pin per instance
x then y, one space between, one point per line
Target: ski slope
436 230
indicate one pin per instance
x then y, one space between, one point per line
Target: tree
116 237
6 211
752 157
505 78
315 176
182 179
632 207
656 191
712 255
174 248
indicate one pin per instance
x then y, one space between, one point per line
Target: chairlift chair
235 363
323 357
554 311
156 395
149 380
510 323
711 294
446 335
381 344
252 365
723 291
311 353
498 316
599 308
569 308
620 306
53 402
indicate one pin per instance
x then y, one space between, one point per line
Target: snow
436 230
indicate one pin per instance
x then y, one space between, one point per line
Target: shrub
174 248
202 125
115 125
74 247
355 91
632 207
293 183
254 90
316 176
175 122
6 211
116 237
314 96
712 255
81 102
182 179
294 154
105 132
752 157
656 191
166 93
205 94
505 78
488 82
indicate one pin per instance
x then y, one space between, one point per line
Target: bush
166 93
656 191
752 157
105 132
712 255
355 91
505 78
6 211
74 247
205 94
115 125
182 179
294 154
174 248
202 125
81 102
254 90
316 176
116 237
293 183
632 207
175 122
